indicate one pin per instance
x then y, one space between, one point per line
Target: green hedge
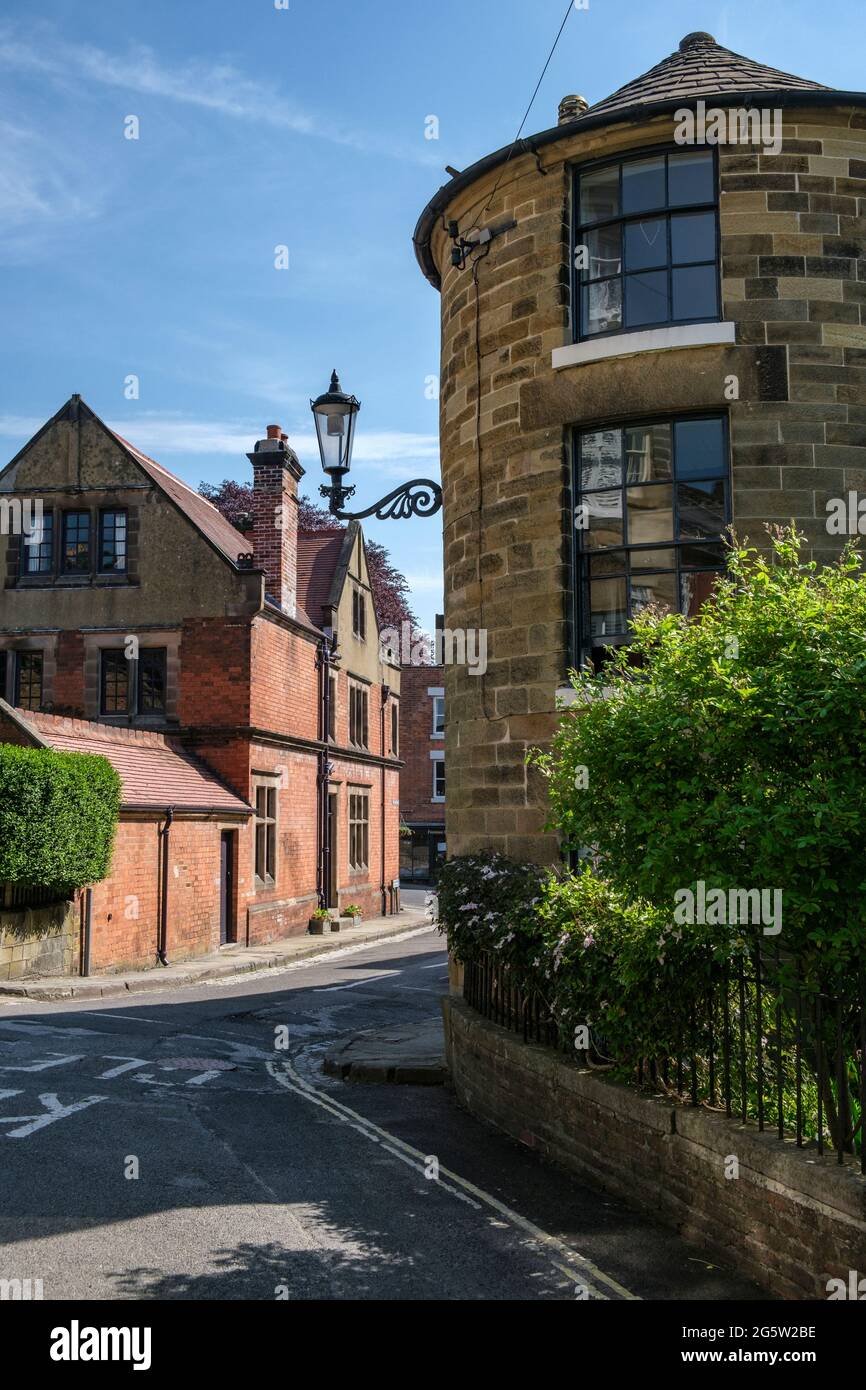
58 815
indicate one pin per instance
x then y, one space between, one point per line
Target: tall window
266 833
439 779
359 614
395 729
438 714
76 542
112 542
37 552
145 679
114 693
359 716
646 243
28 680
332 706
359 829
151 680
653 502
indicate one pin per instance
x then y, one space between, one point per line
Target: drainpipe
327 658
386 691
88 926
162 937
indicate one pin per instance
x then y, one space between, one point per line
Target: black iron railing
759 1045
21 895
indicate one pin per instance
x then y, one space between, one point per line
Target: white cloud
391 452
36 187
211 86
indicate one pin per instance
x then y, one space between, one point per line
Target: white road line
124 1018
369 980
129 1064
575 1265
56 1060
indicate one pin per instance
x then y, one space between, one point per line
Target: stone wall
790 1220
794 285
39 941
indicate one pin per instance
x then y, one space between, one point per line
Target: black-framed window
37 551
359 715
75 557
28 680
653 501
266 833
359 614
646 243
439 779
121 677
359 829
395 730
332 707
151 680
115 683
112 542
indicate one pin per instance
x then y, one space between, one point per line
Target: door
332 844
227 896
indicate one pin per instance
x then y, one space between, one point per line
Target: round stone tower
653 325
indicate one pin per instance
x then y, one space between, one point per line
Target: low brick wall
39 941
790 1220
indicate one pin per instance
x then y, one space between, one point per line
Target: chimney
571 108
276 474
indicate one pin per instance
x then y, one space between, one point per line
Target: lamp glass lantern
335 414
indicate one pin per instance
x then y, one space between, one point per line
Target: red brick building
150 626
422 780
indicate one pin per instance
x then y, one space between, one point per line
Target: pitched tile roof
318 557
701 68
203 514
154 770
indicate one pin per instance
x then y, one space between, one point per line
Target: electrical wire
523 122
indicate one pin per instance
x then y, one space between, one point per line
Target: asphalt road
187 1145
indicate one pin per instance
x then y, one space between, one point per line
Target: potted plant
352 913
316 925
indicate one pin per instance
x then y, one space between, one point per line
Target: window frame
265 830
436 731
583 641
63 568
395 729
359 613
35 656
27 551
622 219
158 655
438 765
358 829
115 512
359 713
107 656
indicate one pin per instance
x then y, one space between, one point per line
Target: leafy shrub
729 749
58 815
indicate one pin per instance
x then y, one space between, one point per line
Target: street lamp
335 414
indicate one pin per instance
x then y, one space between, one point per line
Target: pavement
412 1054
188 1145
227 962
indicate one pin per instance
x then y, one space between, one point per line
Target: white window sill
643 340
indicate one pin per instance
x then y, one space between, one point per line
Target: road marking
356 984
205 1076
57 1059
47 1029
575 1264
129 1064
440 965
55 1110
124 1018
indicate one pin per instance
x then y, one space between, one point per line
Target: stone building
422 779
234 679
653 325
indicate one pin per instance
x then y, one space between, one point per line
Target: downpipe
162 936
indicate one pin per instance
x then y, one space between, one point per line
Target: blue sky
302 127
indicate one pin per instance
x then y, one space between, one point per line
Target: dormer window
646 243
359 614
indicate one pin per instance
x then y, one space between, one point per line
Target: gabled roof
318 558
203 514
154 771
701 68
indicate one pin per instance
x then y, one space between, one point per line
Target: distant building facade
234 679
422 779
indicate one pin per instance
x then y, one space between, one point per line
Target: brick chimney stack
276 474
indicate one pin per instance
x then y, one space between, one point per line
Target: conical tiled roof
701 68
